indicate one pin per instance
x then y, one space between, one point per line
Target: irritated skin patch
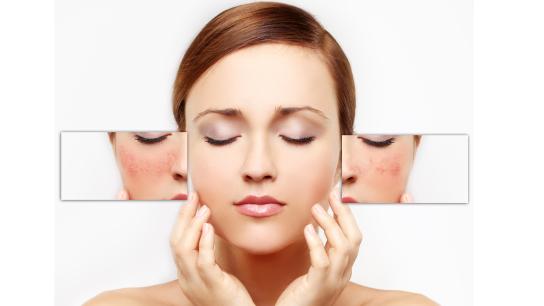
388 167
136 165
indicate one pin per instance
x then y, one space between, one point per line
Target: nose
258 165
350 173
179 167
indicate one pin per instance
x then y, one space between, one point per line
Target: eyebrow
279 112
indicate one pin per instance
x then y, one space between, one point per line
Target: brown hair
257 23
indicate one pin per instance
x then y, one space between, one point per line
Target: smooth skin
202 280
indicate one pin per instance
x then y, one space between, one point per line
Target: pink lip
348 200
259 207
180 196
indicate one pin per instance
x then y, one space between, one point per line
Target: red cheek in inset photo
137 165
388 166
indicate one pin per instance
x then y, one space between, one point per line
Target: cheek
389 167
389 172
214 174
309 179
145 165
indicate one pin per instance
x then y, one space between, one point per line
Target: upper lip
251 199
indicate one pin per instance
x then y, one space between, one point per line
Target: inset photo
428 168
123 166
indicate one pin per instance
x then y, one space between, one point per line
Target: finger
185 249
192 233
206 264
406 198
339 253
186 212
122 195
346 220
318 257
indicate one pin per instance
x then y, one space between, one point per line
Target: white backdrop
115 64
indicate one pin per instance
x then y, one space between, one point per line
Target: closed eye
220 142
154 140
378 144
298 141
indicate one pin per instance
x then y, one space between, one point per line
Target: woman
265 94
375 168
153 165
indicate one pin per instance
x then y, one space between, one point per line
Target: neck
265 276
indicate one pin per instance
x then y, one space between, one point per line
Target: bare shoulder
160 295
120 297
358 295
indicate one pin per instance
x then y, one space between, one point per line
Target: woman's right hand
202 281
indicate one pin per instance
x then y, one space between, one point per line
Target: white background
89 171
508 214
115 64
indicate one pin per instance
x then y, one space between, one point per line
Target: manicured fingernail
310 229
318 209
202 211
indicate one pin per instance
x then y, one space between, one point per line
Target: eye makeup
298 131
151 138
218 142
298 141
378 141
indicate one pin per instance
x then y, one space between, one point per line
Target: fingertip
406 198
310 230
122 195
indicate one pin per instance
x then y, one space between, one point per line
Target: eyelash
148 141
378 144
217 142
299 141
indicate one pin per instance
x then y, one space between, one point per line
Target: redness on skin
388 166
136 165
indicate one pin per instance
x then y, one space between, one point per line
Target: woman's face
263 121
153 165
375 168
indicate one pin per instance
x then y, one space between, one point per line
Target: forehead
258 79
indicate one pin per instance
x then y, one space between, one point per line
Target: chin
260 238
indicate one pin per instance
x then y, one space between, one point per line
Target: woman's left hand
330 269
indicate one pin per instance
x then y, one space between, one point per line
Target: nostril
179 177
349 180
257 178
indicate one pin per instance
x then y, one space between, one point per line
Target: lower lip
348 200
259 210
179 197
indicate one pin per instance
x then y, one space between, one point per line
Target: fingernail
318 209
202 211
310 229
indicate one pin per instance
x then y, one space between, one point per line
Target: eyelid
220 142
298 141
376 138
147 140
152 134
